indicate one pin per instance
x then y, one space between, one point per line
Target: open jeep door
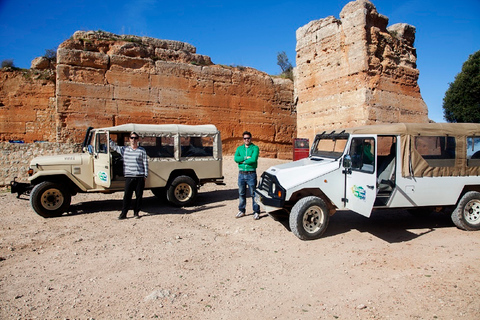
101 162
360 178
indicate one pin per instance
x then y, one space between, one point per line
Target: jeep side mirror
347 162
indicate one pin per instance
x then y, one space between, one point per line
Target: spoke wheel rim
472 212
183 192
52 199
313 219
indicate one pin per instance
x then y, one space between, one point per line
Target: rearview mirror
347 161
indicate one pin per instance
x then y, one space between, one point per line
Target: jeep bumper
20 187
270 204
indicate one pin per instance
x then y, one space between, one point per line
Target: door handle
370 187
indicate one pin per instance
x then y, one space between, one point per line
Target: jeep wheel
50 199
466 215
309 218
182 191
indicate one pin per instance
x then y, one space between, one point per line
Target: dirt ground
202 263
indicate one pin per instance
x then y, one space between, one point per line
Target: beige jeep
181 159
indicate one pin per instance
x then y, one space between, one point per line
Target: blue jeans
250 180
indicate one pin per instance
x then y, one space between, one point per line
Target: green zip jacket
247 158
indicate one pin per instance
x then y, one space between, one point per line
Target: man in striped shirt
135 170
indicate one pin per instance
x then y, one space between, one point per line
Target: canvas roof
430 129
413 164
152 129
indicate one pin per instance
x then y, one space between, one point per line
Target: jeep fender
317 192
43 176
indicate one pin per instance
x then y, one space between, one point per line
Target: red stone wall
27 106
104 79
108 81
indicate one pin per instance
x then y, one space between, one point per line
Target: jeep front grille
266 182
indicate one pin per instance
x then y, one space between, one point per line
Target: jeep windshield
329 145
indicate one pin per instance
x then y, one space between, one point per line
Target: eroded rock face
40 63
105 79
355 71
27 106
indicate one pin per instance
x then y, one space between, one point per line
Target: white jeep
421 167
181 158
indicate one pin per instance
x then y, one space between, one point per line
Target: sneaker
256 216
240 214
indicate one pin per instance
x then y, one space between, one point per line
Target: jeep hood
294 173
61 159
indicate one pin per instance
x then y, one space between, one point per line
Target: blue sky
245 33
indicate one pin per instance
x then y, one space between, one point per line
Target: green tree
285 65
462 99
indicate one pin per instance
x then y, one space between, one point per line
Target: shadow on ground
153 206
392 226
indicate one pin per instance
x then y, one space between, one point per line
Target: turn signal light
30 172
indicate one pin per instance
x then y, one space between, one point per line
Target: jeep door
101 161
360 180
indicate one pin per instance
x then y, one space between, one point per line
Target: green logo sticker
359 192
102 175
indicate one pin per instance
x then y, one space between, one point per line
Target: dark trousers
137 185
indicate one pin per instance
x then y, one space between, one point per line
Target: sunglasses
134 138
247 138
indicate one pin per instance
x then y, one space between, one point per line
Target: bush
8 63
51 55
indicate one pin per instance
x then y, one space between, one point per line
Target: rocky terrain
202 263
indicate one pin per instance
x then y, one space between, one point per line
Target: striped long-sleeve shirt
135 163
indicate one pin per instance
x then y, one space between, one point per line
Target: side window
101 143
473 152
437 151
158 147
362 152
386 154
196 146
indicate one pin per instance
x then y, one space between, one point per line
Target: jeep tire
50 199
182 192
466 215
309 218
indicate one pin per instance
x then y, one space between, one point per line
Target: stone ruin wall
27 105
103 79
355 71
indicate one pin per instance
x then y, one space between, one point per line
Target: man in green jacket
246 156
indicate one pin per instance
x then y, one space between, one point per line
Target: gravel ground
202 263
